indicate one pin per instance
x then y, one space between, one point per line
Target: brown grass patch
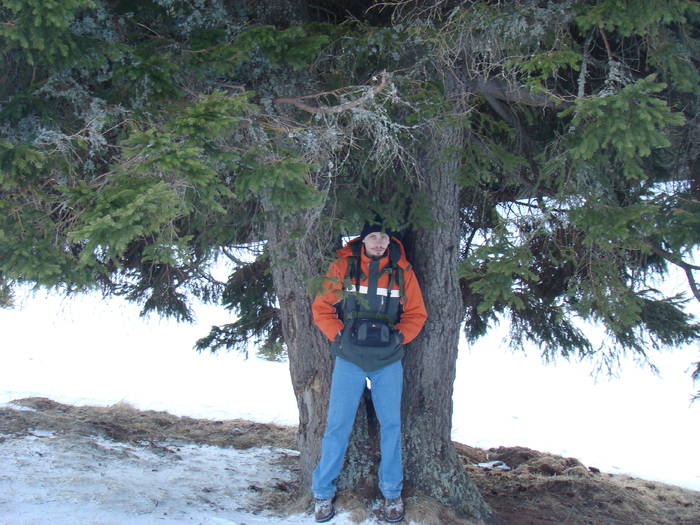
122 422
546 489
541 489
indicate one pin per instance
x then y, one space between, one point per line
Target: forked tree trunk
430 461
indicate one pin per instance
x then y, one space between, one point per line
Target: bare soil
540 488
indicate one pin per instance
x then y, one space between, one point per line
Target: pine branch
149 29
297 101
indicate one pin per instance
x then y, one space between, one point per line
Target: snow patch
67 479
17 406
493 465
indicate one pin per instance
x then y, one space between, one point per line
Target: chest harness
387 310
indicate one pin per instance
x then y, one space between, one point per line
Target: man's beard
376 257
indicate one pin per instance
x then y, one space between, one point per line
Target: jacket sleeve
323 308
414 313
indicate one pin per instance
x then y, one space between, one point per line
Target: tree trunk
294 259
431 463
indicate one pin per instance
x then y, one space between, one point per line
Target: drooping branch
687 268
297 101
511 93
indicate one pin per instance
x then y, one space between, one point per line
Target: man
371 306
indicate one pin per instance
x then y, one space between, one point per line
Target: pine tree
543 158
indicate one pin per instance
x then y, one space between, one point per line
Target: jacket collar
346 251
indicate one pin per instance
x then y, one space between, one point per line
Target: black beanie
375 226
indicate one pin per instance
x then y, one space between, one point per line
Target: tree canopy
140 140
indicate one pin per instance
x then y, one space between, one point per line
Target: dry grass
545 489
541 489
122 422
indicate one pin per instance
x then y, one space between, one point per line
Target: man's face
376 244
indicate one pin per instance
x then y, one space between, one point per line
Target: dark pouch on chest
370 332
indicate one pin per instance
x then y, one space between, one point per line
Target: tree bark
293 260
431 462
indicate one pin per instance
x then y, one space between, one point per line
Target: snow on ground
53 479
64 480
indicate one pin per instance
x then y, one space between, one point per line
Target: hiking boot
323 510
393 510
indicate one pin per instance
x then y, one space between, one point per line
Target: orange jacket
324 311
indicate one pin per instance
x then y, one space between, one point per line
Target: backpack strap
381 316
399 278
394 257
356 265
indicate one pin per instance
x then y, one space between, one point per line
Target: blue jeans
347 386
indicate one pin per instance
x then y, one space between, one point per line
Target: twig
511 93
687 268
584 66
231 86
607 44
148 29
297 101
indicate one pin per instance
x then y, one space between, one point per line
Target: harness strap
393 269
389 288
356 265
370 315
399 275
